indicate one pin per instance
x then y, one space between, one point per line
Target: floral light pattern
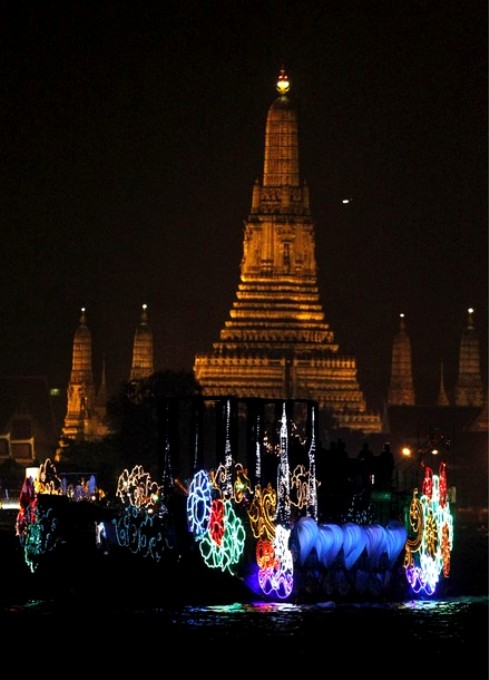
428 549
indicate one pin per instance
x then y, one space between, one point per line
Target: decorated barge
235 531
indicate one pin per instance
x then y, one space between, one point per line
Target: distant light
283 85
406 451
346 200
55 392
471 310
32 473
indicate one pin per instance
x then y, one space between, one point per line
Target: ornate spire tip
283 85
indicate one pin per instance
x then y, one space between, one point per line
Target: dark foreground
130 610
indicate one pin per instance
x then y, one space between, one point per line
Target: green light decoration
37 528
226 554
429 545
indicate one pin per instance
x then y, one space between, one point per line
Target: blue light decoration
142 527
211 516
293 551
429 545
199 500
348 557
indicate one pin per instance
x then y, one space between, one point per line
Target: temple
142 354
469 390
401 387
86 411
276 343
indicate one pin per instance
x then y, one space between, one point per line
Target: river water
427 637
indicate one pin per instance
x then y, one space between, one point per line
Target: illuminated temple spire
84 415
142 354
401 387
276 343
469 390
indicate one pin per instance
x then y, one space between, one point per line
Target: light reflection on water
418 620
393 637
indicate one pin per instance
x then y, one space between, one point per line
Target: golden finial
283 85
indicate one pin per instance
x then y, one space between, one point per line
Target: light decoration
228 455
199 501
213 521
136 488
273 557
347 556
299 487
142 527
312 495
47 481
36 528
258 451
37 525
242 486
142 533
283 514
262 511
276 571
428 548
357 555
222 545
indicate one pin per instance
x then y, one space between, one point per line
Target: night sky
131 135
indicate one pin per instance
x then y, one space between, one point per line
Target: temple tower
142 354
276 343
401 387
85 413
469 390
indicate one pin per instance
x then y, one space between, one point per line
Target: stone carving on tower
276 343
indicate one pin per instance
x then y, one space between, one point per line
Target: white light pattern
199 503
283 475
312 496
277 578
228 454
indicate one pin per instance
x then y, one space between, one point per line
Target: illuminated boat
222 535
